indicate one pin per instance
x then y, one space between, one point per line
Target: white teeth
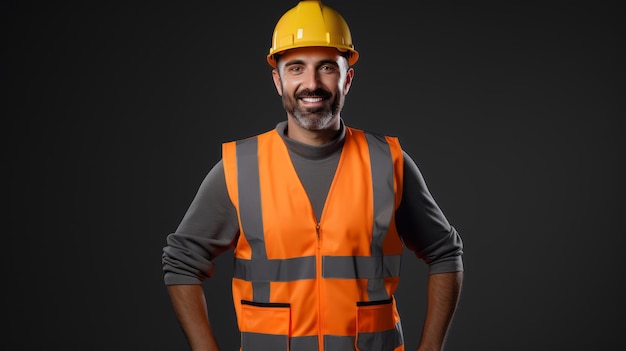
316 99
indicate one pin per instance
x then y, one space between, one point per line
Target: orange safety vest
300 284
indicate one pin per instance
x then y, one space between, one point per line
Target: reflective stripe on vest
286 299
386 340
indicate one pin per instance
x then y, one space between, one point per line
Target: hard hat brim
352 55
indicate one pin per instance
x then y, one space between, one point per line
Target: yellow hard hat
311 23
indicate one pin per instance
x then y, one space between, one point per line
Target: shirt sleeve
423 227
208 228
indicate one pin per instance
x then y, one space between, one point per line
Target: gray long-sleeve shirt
210 225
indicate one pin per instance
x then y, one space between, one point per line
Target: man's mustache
317 92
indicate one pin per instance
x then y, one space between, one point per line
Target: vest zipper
320 336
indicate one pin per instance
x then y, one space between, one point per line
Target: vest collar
310 151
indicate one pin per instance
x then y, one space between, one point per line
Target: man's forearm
444 290
189 304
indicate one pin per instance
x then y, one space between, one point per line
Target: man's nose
311 79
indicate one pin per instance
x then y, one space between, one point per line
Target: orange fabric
301 323
268 320
317 306
375 318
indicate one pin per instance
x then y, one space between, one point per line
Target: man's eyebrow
320 63
328 62
294 62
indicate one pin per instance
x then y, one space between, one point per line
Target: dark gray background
112 114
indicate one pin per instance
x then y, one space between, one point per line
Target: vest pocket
376 328
264 326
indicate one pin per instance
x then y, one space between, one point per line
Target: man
318 214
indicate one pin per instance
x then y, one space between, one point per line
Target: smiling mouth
312 99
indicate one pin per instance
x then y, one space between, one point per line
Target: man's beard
313 118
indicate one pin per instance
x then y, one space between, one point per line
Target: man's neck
313 137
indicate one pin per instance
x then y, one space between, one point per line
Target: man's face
313 83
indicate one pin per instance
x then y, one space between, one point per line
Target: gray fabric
210 225
315 166
383 183
263 342
303 343
386 340
261 291
361 267
275 270
423 226
208 228
384 203
339 343
251 211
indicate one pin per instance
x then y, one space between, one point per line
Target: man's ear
277 82
348 83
